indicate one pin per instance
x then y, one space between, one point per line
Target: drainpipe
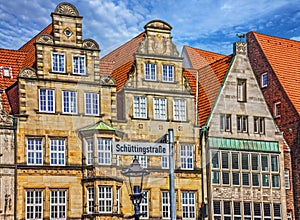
15 123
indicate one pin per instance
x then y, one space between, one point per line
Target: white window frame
165 205
47 100
140 107
215 176
61 63
259 125
90 199
104 151
142 159
89 143
241 90
287 179
179 110
277 109
150 71
79 68
58 152
264 80
187 157
69 106
188 205
160 108
242 123
60 206
225 122
217 215
34 205
144 206
105 199
36 149
167 73
91 103
165 162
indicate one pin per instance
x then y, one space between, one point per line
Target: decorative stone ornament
107 80
66 9
90 44
28 72
45 39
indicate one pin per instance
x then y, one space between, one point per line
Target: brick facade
288 122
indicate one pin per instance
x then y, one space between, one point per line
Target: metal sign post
171 167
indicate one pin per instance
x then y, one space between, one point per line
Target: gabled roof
210 79
198 58
29 47
119 62
10 59
284 57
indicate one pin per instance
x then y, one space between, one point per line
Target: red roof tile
119 62
209 83
199 58
284 58
10 59
29 47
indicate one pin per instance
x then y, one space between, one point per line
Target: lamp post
135 174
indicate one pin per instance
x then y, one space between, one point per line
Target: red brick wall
289 120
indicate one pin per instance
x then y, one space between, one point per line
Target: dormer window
58 62
79 64
6 72
150 71
168 73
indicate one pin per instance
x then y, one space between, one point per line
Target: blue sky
204 24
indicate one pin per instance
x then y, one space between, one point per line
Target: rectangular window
259 125
237 209
89 152
277 109
257 210
91 103
105 199
227 210
274 163
34 205
168 73
139 107
78 64
58 62
246 179
265 180
34 152
58 204
235 178
6 72
275 181
254 161
287 178
104 151
264 162
46 100
150 71
245 161
188 205
186 157
215 159
225 178
142 160
179 110
69 102
165 162
144 206
215 177
225 122
90 199
241 90
217 207
165 200
160 108
235 161
57 152
242 123
267 211
247 210
225 160
277 211
264 80
255 179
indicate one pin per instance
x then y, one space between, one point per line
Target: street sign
140 148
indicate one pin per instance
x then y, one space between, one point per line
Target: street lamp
135 174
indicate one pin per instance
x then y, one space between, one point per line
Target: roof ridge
276 37
203 50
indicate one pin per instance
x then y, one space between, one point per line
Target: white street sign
140 148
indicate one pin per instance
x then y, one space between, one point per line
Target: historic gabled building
152 97
242 147
275 62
